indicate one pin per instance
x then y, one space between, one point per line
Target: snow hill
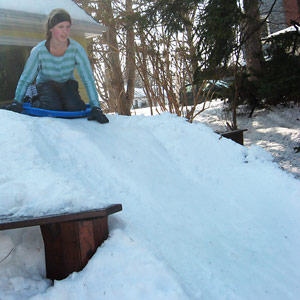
203 217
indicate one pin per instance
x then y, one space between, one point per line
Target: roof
31 15
288 29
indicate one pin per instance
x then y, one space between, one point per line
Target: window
12 62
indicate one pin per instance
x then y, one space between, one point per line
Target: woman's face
61 31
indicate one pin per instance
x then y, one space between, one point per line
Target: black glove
15 106
97 114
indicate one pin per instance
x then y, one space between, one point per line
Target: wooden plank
11 222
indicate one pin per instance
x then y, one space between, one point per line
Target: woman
52 63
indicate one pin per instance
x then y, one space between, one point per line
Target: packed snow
203 217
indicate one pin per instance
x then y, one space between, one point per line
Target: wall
276 20
292 10
283 12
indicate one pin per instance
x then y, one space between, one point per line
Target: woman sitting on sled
52 63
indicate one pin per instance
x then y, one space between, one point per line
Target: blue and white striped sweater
43 66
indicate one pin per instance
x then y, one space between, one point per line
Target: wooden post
70 245
235 135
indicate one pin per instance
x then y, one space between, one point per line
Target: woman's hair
56 16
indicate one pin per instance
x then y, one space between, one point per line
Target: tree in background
165 62
107 54
252 38
178 48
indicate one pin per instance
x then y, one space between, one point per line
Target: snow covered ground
276 130
203 217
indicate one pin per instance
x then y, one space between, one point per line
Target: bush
279 83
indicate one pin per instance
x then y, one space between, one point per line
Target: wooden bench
235 135
70 239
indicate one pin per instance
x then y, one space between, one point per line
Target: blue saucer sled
39 112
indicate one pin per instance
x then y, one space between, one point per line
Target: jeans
59 96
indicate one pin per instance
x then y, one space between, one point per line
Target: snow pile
203 217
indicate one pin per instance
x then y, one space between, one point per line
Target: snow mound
203 217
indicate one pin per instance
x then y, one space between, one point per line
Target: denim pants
59 96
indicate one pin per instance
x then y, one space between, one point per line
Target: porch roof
31 16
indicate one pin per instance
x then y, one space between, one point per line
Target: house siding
282 13
276 20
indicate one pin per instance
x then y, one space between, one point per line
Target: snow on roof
27 15
288 29
44 7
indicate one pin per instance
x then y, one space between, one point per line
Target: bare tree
167 62
107 53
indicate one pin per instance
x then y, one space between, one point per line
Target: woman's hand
97 114
15 106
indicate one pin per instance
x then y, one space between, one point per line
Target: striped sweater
43 66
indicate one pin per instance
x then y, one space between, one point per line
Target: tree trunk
130 61
143 70
117 91
253 47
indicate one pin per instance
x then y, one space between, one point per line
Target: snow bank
203 217
276 130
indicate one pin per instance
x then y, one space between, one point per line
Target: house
22 26
285 18
140 99
282 13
